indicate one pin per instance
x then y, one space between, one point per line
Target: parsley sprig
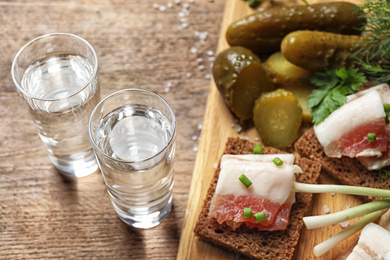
334 85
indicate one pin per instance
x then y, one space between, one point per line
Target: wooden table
42 215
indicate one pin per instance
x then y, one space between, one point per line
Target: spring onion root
328 244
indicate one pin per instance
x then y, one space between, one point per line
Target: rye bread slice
345 170
251 242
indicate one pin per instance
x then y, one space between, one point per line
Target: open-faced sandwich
222 219
353 143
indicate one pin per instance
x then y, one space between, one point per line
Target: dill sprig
373 56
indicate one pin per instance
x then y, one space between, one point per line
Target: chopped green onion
260 216
371 137
382 173
387 108
245 180
247 212
277 161
258 149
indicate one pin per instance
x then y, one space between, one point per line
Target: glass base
145 221
76 165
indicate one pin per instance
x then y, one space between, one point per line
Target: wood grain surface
42 215
219 124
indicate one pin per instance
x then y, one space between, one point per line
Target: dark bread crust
345 170
251 242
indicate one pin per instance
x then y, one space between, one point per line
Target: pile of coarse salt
182 14
204 59
343 224
196 138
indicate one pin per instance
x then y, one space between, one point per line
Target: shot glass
57 77
133 135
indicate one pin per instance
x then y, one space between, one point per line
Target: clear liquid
62 105
134 133
140 180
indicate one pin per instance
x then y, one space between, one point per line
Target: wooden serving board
217 127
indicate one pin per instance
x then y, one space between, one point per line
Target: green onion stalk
371 211
328 244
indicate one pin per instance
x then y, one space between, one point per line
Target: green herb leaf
352 79
373 54
333 85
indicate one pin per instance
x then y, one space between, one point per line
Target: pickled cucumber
282 72
263 31
240 78
301 92
277 117
287 76
316 51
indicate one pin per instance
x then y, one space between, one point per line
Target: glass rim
168 143
25 93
